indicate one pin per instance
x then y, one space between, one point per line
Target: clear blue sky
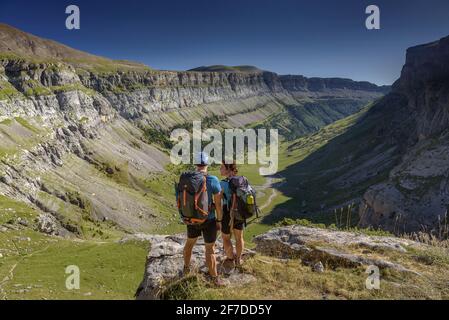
325 38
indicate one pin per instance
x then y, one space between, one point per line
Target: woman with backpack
228 171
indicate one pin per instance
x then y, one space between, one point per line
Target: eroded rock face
165 264
46 223
313 245
416 195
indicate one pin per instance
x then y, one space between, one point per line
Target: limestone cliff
416 195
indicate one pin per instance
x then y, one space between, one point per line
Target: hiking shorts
208 229
225 227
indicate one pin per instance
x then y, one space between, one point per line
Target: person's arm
217 201
216 190
218 211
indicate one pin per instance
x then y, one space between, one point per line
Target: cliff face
416 195
137 95
425 82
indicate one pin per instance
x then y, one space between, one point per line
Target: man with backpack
196 194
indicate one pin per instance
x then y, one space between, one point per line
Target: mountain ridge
16 42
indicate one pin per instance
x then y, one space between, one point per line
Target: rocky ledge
165 263
319 248
331 248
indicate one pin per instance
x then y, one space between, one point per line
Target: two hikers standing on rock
197 195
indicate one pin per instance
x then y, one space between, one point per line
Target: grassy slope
310 115
21 46
34 268
312 165
18 134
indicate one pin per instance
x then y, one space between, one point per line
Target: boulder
23 222
46 223
314 245
318 267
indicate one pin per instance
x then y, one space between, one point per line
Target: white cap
202 159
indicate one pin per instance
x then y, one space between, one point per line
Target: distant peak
17 43
224 68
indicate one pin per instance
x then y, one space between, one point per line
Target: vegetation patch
24 123
6 122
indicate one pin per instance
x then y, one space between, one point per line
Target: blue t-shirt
226 192
213 187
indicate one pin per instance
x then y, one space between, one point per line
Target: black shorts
225 227
208 229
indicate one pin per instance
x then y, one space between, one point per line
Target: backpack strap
223 193
257 208
197 195
184 196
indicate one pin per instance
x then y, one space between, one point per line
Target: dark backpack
193 202
243 202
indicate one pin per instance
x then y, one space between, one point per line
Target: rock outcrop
165 264
315 246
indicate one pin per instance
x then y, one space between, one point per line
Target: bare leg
227 245
187 253
239 244
211 261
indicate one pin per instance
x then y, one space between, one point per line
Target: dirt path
269 184
10 275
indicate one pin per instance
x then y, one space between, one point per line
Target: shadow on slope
334 166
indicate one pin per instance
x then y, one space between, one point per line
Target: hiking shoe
238 262
186 271
229 262
227 266
218 281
